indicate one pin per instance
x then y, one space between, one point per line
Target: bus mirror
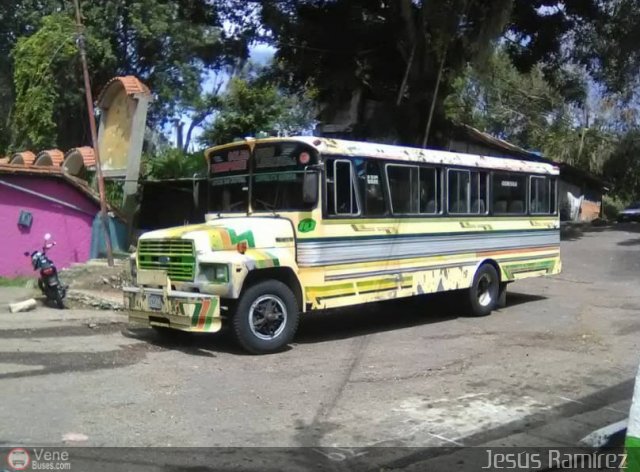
310 187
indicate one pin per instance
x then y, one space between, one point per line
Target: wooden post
94 133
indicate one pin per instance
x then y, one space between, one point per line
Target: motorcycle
49 283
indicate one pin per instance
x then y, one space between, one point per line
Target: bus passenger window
509 194
479 204
341 194
371 189
542 196
404 187
459 185
429 191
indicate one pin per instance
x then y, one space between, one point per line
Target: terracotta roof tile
131 84
87 154
50 157
23 158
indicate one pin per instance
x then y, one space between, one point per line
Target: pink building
38 200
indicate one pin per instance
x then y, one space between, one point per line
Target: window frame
449 212
553 195
389 199
471 172
438 187
526 193
383 184
325 193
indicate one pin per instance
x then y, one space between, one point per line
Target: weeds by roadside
14 281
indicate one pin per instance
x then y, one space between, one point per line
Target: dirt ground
402 373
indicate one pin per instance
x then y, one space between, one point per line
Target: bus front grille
176 256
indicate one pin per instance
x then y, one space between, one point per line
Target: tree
175 163
169 45
526 109
623 168
47 85
251 106
400 55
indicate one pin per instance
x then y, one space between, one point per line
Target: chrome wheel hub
484 290
267 317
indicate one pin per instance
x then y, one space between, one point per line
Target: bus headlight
215 273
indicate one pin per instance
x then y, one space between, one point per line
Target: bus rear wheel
485 291
266 317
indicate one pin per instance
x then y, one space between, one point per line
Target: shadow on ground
332 325
575 231
331 459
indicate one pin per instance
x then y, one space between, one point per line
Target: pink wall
70 229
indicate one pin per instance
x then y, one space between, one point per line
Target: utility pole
94 132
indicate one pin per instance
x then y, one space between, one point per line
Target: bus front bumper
185 311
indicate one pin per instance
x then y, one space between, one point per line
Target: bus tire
484 291
266 317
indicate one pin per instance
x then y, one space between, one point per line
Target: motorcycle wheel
59 298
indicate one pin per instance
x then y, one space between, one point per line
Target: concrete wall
71 229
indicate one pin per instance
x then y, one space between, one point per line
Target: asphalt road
416 373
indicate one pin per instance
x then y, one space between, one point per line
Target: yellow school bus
302 224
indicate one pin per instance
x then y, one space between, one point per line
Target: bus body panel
341 261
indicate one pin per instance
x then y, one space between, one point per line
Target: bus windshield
274 171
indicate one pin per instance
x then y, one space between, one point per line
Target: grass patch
14 281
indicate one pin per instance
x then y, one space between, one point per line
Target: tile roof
132 85
23 157
50 157
84 153
55 172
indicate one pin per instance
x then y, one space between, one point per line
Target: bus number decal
307 225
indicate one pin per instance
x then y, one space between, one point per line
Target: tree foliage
390 52
526 109
403 56
251 106
175 163
46 82
623 168
168 45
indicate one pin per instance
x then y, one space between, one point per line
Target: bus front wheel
485 291
266 317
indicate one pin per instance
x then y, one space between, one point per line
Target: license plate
155 302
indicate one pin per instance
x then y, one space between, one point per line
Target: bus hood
224 234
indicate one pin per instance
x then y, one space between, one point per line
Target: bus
300 224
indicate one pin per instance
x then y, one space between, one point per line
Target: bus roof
341 147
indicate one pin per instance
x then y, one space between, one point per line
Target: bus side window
479 204
341 193
509 194
404 187
459 185
542 195
429 191
371 189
